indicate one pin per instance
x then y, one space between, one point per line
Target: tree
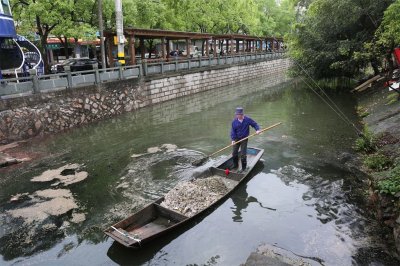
388 34
79 23
43 16
78 19
331 36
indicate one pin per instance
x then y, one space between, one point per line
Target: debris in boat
65 175
78 217
65 225
48 202
191 197
123 185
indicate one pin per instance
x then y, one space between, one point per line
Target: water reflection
241 200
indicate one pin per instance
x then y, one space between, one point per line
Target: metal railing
36 84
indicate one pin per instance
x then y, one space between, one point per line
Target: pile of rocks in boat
191 197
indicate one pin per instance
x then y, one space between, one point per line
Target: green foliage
78 18
377 162
388 33
366 142
392 98
332 35
391 185
362 112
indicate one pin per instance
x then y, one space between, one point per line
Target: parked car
76 64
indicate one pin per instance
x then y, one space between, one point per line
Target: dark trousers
243 153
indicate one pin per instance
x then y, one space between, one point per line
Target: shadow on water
137 256
241 200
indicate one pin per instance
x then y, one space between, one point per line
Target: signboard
52 46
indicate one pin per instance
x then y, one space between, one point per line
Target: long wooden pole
265 129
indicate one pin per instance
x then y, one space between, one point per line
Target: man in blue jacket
241 129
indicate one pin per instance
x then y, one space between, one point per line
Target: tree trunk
66 47
374 65
150 42
43 50
44 31
76 49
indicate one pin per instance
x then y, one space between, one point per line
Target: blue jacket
242 130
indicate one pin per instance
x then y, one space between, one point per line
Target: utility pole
101 29
120 31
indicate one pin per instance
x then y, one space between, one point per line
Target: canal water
301 198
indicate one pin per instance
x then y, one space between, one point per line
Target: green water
300 199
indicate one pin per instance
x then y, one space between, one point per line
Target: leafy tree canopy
331 38
78 18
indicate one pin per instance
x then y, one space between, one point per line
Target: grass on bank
366 143
392 98
362 112
376 161
391 185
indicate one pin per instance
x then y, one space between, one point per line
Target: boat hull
155 220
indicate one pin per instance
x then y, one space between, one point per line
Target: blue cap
239 111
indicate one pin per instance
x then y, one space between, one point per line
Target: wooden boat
155 220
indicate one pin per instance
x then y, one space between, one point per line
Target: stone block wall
38 114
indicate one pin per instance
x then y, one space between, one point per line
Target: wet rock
271 255
345 157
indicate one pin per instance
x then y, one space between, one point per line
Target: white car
194 52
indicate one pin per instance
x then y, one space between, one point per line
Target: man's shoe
241 171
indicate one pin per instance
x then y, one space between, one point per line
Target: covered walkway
167 45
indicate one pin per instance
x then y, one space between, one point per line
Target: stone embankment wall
38 114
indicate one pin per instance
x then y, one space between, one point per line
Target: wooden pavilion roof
177 35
